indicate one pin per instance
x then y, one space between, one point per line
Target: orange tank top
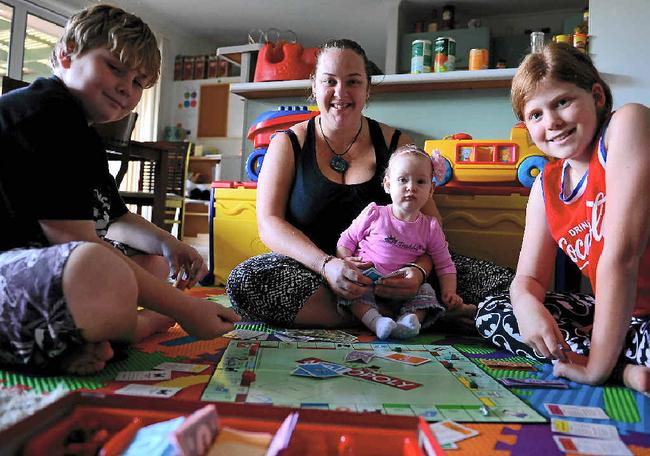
576 221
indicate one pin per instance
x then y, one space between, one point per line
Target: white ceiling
227 22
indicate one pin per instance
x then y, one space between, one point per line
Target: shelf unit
196 211
392 83
244 57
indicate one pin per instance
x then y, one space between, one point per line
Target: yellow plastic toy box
235 236
485 222
482 222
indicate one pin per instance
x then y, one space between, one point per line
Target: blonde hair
122 33
436 161
561 62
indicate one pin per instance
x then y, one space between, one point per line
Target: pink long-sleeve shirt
377 235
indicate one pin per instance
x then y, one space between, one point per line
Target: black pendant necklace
337 163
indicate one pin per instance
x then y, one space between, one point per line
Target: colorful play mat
454 383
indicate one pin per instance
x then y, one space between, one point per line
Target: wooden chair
119 134
9 84
117 139
177 158
178 154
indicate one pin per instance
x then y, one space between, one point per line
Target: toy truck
470 160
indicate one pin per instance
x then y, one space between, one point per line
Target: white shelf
424 82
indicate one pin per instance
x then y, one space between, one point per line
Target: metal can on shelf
580 42
421 56
563 39
478 59
445 54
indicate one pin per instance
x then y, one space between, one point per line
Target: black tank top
323 209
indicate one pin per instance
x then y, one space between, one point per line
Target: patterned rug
629 411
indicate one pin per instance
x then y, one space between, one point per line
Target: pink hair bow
438 164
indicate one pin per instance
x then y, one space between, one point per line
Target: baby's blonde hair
435 160
124 34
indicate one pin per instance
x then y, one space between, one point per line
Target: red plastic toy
284 61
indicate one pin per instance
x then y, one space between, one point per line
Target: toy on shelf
282 61
266 125
470 160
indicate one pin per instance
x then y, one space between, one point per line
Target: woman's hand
186 265
345 278
539 330
400 286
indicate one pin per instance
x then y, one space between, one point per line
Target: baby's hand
460 314
358 262
452 300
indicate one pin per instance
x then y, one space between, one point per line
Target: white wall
619 47
173 44
172 41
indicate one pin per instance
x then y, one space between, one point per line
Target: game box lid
317 431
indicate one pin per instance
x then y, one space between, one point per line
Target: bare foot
638 378
88 359
150 322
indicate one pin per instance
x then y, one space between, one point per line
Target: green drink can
421 56
445 55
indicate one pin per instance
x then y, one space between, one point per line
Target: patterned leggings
574 314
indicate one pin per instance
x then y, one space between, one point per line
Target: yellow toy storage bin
487 223
235 236
482 222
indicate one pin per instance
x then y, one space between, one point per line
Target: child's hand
358 262
461 315
539 330
451 299
206 320
186 264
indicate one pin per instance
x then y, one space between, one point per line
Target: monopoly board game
434 381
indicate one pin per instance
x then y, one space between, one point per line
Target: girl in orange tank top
592 203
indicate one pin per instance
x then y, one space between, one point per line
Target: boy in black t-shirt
65 294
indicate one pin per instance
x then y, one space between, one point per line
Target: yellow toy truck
490 160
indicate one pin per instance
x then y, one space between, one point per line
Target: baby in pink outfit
391 237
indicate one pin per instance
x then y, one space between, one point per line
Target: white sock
382 326
407 326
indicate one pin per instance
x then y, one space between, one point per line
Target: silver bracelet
419 268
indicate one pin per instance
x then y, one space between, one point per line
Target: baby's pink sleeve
438 249
358 230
